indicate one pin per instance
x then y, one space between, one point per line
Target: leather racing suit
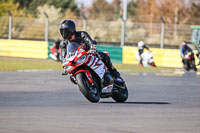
82 38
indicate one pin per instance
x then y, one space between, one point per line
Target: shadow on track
137 102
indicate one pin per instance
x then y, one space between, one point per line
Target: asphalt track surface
46 102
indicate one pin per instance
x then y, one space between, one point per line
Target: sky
87 3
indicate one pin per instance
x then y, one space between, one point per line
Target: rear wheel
194 65
90 91
186 65
120 94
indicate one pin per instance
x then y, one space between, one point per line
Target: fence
105 31
124 55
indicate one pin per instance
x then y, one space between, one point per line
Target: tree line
149 11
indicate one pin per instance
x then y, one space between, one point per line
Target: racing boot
116 75
141 62
106 60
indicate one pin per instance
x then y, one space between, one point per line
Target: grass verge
14 64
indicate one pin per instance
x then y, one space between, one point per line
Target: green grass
139 68
14 64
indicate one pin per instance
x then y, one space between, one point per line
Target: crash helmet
140 44
57 41
67 29
184 43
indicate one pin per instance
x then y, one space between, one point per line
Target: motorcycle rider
57 43
57 46
141 47
184 50
55 52
70 35
198 56
198 53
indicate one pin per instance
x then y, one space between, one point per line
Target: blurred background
102 19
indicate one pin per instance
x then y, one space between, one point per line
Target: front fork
73 79
87 73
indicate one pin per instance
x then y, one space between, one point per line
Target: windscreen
71 49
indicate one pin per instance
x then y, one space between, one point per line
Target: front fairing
74 61
76 57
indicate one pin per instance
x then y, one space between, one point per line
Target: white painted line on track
167 74
198 73
179 72
33 70
133 74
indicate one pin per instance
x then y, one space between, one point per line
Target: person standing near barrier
198 54
72 37
55 50
57 46
141 47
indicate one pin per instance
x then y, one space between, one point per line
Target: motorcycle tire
194 66
121 95
186 66
91 92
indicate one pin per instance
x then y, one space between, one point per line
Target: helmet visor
66 33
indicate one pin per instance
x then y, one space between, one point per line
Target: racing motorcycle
92 77
189 61
147 58
55 54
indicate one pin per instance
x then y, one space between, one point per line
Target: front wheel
120 94
90 91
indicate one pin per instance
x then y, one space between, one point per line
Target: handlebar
95 52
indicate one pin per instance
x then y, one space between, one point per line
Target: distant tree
64 5
6 5
23 3
148 10
131 9
173 11
116 4
195 13
101 10
32 5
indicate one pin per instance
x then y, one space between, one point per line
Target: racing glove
93 48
